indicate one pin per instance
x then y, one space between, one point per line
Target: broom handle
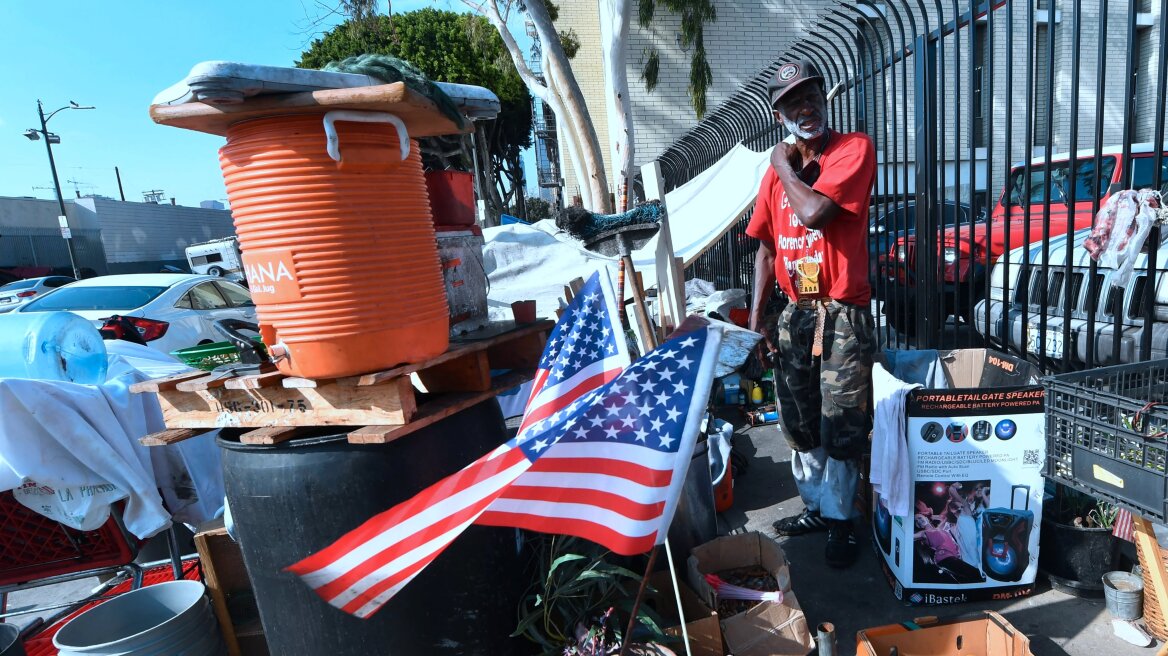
639 309
620 295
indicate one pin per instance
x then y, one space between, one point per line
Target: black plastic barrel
291 500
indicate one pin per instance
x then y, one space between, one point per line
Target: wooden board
1146 542
329 405
170 436
421 115
440 408
457 350
383 401
271 434
168 383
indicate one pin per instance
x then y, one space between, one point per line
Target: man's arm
814 209
764 285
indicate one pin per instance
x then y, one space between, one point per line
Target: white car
1093 306
17 293
170 310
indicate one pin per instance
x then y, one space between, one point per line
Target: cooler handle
1026 496
334 142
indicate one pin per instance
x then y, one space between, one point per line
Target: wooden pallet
380 407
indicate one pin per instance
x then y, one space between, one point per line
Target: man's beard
793 128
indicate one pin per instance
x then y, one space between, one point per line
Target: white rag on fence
535 261
73 449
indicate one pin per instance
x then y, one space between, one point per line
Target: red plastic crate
451 197
35 547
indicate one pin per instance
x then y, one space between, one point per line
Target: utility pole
50 139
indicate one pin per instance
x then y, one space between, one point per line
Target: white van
219 257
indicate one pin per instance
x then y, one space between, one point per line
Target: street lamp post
50 139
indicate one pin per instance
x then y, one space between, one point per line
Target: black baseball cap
791 75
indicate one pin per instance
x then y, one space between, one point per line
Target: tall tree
449 47
615 16
559 89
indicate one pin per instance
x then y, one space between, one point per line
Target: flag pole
654 190
677 597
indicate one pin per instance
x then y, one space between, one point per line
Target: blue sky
116 55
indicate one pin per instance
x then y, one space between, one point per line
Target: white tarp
535 261
74 449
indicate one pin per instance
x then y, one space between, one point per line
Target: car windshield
905 217
19 284
95 298
1061 188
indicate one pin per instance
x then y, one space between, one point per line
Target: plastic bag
83 507
1121 227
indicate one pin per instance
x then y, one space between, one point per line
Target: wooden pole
637 601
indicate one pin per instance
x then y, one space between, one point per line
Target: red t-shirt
847 171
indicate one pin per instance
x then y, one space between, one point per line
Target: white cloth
74 439
535 261
968 535
890 475
826 485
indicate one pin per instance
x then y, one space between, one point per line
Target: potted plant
580 604
1076 544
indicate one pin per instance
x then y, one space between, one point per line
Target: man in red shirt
811 219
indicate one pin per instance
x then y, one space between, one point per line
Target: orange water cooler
338 242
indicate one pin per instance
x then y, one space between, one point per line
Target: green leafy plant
1077 508
581 601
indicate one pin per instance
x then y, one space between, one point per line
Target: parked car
964 267
1023 294
888 228
20 292
170 311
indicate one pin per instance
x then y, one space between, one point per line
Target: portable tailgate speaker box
1006 538
974 443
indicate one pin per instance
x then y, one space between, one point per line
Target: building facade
108 236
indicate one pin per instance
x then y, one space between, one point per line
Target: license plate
1053 341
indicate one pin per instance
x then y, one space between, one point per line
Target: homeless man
811 219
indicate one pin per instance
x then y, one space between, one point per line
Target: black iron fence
1001 130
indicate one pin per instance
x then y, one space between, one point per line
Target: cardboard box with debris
751 628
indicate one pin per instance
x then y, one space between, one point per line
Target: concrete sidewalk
860 597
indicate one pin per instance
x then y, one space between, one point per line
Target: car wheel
215 271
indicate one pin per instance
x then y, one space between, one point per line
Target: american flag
1124 526
362 570
616 476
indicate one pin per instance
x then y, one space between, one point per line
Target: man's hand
785 155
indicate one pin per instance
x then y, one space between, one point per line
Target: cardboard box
986 633
705 633
769 628
976 446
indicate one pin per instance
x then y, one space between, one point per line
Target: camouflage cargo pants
825 401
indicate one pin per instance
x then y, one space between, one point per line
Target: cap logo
788 72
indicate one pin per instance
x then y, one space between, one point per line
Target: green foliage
447 47
538 209
1076 508
570 41
579 593
694 15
